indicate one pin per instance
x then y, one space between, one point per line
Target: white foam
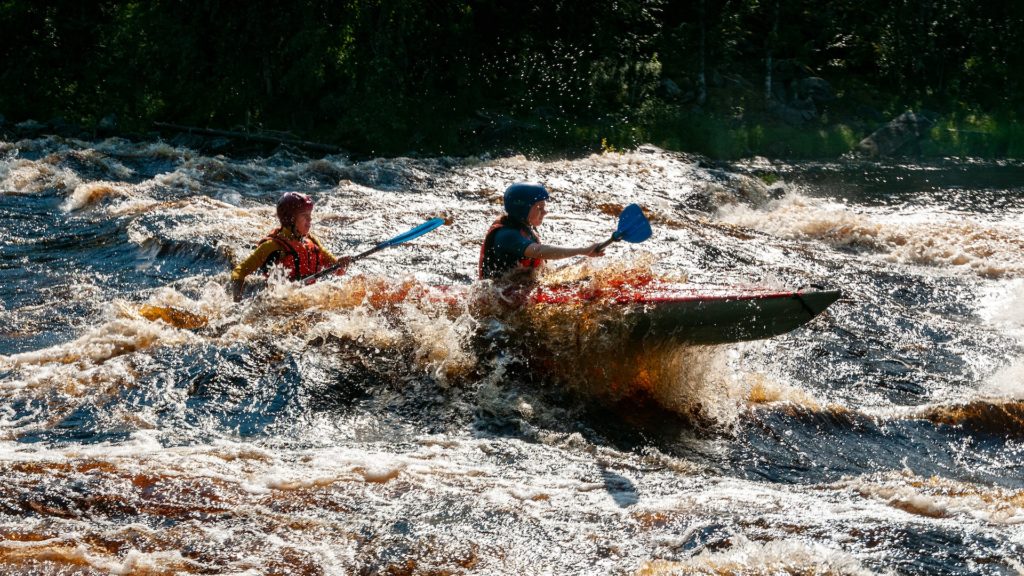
442 346
940 498
35 176
91 193
937 238
1007 383
114 338
361 324
789 556
1002 307
135 562
127 148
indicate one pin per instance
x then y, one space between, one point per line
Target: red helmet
291 204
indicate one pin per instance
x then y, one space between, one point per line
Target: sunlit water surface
375 423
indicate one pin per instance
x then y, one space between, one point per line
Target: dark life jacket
301 257
494 263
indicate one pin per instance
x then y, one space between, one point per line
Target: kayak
639 311
636 310
656 312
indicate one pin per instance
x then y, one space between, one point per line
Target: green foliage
742 136
446 76
969 134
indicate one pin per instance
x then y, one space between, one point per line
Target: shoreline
719 141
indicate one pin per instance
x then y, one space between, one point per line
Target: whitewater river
365 425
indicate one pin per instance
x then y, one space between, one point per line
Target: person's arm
549 252
250 265
331 259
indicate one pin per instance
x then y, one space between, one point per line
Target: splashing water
407 419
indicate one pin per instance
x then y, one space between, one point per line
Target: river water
361 425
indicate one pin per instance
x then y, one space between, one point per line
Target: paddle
401 238
633 227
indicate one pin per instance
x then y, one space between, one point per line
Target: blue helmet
521 196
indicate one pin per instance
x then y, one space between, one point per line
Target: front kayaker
291 245
512 243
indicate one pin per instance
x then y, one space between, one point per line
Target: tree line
437 76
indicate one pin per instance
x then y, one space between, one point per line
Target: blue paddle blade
633 225
414 233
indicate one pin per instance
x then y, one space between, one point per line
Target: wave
125 333
987 248
92 193
937 497
746 557
139 504
455 336
1008 382
32 177
996 417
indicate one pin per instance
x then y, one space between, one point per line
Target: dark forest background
727 78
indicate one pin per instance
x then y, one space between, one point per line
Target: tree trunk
769 46
702 84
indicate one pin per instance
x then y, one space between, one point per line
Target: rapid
374 424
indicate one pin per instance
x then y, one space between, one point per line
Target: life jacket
301 257
495 264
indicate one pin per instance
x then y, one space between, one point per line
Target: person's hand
237 288
594 249
342 265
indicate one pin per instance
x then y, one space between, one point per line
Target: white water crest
938 238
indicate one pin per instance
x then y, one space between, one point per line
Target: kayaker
291 245
512 243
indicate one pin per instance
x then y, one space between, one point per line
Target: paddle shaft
334 267
606 243
400 239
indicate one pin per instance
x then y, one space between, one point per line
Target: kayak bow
699 315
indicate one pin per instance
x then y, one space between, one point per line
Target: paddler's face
303 222
537 212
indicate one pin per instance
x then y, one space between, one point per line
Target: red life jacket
302 257
493 264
